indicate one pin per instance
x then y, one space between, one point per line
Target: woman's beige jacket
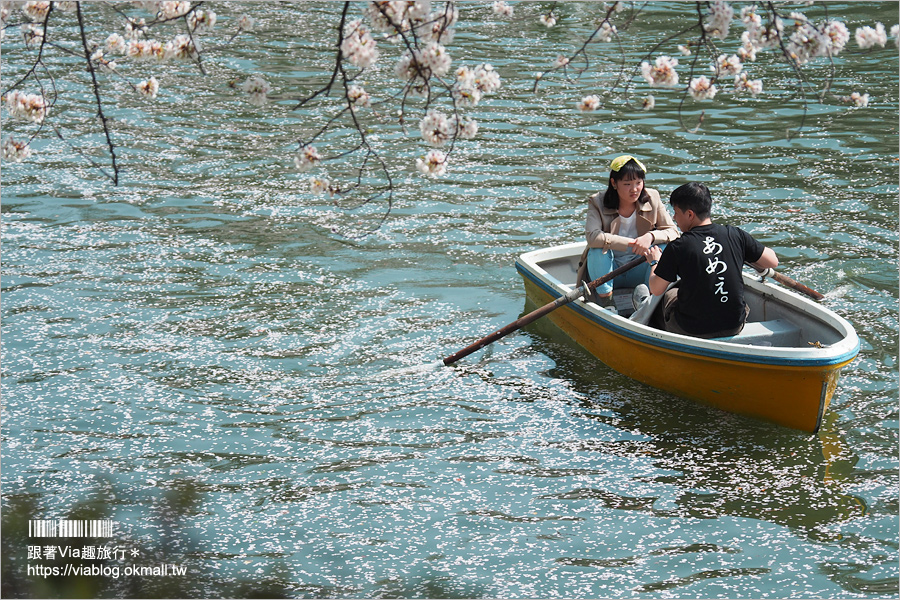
602 226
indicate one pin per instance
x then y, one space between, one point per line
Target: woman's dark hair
629 170
692 196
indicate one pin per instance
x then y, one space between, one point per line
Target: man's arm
768 260
656 283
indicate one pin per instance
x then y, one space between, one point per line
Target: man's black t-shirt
709 260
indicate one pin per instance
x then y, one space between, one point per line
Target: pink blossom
307 158
433 164
702 89
589 103
867 37
358 46
436 128
662 73
27 107
503 9
150 87
15 151
258 89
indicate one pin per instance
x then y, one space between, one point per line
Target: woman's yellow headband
619 162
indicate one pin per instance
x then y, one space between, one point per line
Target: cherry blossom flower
867 37
861 100
837 35
358 46
173 10
105 64
307 158
662 73
589 103
742 83
561 61
33 34
806 41
649 103
702 89
358 96
258 89
727 65
466 91
503 9
895 33
145 50
436 128
548 20
684 50
758 37
607 32
435 58
438 26
246 23
471 84
720 16
466 129
181 48
487 79
320 185
135 28
27 107
36 11
201 21
15 151
433 164
115 43
149 87
67 6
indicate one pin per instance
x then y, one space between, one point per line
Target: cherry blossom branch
96 89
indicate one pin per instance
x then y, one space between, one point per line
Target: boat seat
777 332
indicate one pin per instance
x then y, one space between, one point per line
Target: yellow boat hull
792 387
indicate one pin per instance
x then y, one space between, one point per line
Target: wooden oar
787 281
576 293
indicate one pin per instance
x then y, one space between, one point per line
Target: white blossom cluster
720 17
15 151
869 37
359 46
149 87
257 89
437 128
418 66
701 88
662 73
472 84
358 97
800 39
434 164
589 103
27 107
503 9
307 158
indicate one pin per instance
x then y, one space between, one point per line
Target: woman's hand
641 246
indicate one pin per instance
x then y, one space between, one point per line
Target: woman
622 224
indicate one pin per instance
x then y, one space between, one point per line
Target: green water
201 329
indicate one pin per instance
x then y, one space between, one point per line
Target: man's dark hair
692 196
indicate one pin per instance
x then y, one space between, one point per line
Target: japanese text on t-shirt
716 266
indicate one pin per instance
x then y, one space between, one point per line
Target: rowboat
782 368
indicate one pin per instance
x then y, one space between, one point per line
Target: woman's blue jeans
600 262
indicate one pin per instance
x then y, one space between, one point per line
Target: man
708 301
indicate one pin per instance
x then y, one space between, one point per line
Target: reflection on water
200 358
